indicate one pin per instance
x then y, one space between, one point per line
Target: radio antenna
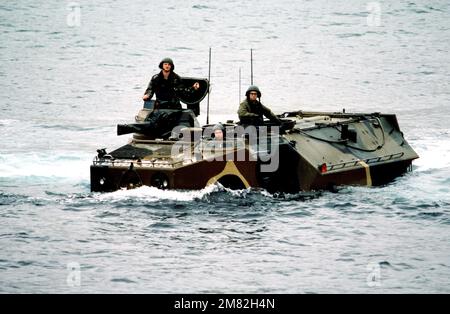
209 87
239 96
251 66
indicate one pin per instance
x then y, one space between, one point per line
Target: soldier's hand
145 97
196 85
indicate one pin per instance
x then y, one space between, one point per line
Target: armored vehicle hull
311 151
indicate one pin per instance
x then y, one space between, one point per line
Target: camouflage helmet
253 88
166 60
219 126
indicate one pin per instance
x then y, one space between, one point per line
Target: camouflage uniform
165 90
252 112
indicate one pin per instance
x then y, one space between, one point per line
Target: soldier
251 110
219 131
164 85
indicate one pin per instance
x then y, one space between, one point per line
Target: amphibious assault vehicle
310 151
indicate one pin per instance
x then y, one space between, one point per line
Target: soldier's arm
178 86
270 115
243 112
150 91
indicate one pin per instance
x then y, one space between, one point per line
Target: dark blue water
70 72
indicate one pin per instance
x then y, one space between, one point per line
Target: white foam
152 194
433 154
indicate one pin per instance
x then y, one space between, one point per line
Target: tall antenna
209 87
251 66
239 96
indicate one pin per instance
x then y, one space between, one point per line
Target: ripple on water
209 240
123 280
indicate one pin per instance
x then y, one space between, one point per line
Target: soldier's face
167 67
218 135
253 96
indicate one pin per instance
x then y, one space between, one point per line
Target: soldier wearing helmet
251 110
164 85
219 131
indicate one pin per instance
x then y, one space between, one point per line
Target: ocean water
70 71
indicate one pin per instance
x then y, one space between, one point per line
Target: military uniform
165 89
252 112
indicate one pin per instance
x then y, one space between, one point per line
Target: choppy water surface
66 80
